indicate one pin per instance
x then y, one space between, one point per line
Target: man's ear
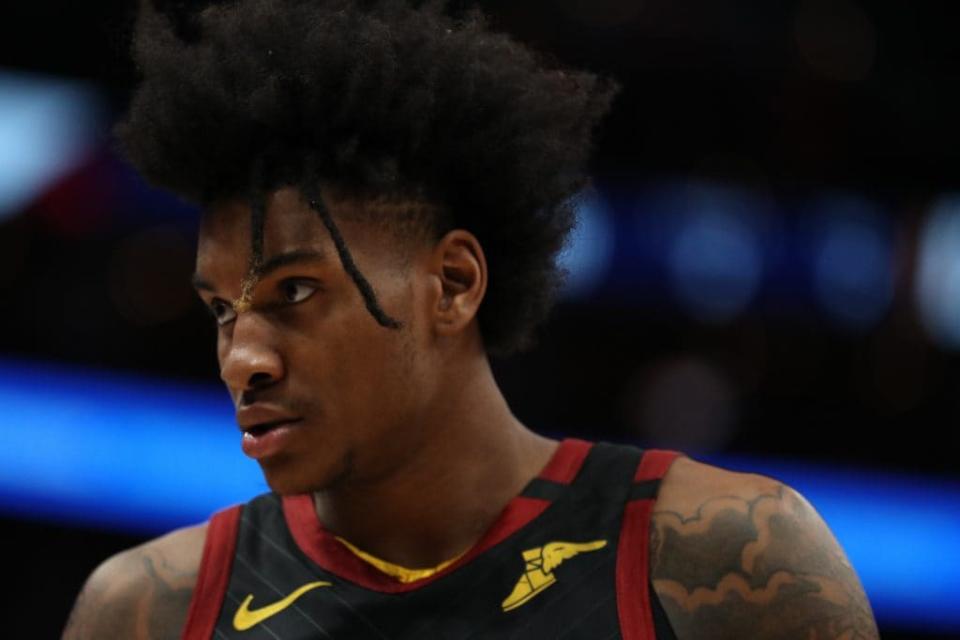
461 270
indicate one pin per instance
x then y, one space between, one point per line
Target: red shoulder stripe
633 597
566 462
654 465
633 553
214 574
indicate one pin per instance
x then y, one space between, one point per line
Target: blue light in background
47 127
589 251
98 448
852 261
938 273
144 455
716 257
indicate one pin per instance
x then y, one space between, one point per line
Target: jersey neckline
322 547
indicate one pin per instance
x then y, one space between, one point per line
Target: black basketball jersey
568 558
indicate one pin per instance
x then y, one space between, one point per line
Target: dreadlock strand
258 218
346 259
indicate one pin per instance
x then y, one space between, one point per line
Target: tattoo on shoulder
762 567
154 609
170 600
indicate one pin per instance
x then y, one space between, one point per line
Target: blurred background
766 275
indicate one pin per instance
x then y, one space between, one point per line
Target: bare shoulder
738 555
142 593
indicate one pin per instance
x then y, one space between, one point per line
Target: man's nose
250 359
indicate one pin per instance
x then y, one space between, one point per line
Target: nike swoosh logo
245 618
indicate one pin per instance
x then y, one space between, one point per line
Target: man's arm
141 594
742 556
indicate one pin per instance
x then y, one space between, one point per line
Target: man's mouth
261 417
258 430
266 439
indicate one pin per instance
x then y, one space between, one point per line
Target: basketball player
384 191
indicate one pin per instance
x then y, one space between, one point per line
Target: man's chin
286 476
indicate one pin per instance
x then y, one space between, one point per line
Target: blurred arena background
767 276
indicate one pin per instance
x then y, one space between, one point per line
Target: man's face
307 350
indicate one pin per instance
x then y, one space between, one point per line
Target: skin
407 443
141 593
743 556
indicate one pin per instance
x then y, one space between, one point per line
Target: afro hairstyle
382 98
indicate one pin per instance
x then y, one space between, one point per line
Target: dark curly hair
392 98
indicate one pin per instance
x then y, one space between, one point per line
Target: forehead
379 232
289 223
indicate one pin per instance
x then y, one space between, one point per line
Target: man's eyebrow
291 257
273 263
200 284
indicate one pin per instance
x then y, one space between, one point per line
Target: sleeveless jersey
567 558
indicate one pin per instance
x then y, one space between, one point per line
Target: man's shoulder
143 592
736 555
688 482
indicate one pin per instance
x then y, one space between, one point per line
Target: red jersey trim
214 574
654 465
633 553
322 547
566 461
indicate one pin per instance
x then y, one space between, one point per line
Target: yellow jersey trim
402 574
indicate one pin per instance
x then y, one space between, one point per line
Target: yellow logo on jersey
245 618
541 561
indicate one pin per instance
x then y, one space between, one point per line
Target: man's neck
477 458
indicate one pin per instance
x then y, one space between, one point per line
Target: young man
385 189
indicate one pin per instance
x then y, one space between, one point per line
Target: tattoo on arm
169 601
763 568
152 606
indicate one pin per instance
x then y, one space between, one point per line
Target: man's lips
261 417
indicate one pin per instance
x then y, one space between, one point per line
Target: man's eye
222 312
294 291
